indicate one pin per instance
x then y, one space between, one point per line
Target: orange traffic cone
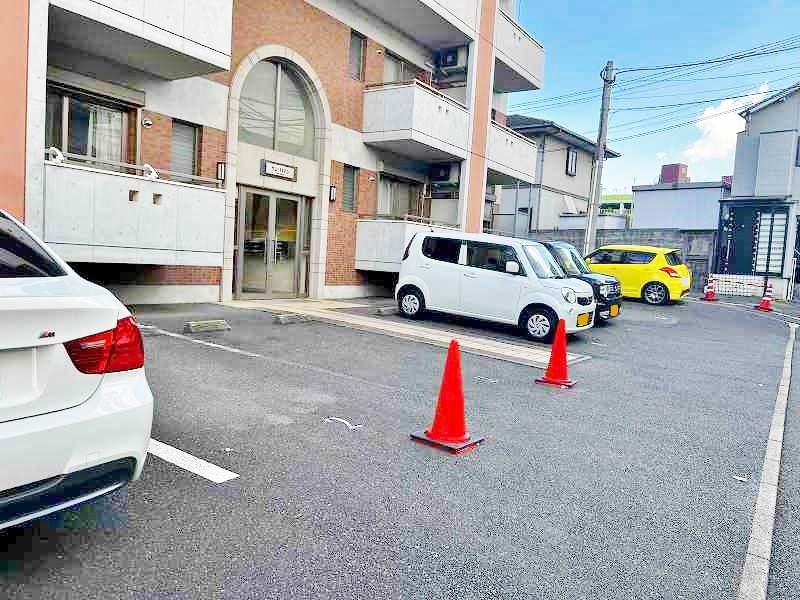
766 300
449 429
556 373
710 291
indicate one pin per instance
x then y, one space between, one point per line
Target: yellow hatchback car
656 275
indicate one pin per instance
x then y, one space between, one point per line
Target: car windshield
543 263
569 260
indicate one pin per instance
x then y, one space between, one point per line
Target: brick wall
212 150
319 38
340 261
157 145
124 274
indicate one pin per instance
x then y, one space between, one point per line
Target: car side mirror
512 267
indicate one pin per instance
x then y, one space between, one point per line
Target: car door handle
470 275
424 266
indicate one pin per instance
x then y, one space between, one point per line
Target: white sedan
75 406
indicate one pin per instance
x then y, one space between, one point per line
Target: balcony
172 40
380 243
95 215
511 155
519 63
415 120
432 23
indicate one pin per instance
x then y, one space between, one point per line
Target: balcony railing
415 120
520 58
116 215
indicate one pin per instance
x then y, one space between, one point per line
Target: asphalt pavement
627 486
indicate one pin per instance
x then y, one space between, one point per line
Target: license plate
614 310
685 281
584 319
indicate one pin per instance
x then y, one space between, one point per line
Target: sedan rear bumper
62 448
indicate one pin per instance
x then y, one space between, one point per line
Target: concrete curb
754 580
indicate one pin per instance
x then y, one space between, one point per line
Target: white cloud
661 155
718 139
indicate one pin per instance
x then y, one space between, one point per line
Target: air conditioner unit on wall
452 61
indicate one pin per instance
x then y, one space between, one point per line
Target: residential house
205 150
563 179
758 223
686 205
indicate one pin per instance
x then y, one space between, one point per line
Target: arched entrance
278 176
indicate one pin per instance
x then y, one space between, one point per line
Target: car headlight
569 295
605 289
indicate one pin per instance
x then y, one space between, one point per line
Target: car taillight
118 349
671 272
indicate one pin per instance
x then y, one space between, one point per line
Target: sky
579 36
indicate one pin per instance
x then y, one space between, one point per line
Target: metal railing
408 218
56 156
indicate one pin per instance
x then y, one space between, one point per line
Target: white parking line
191 463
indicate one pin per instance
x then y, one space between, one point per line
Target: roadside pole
593 210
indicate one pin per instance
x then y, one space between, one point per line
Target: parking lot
638 483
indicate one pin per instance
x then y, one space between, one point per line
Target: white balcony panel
519 63
432 23
103 216
380 243
169 38
511 154
416 121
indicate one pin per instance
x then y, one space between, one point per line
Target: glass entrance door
270 257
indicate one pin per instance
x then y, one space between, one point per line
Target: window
94 127
21 256
769 242
569 260
396 69
444 249
606 257
543 263
349 193
673 258
638 258
398 198
572 162
275 111
357 43
184 148
490 256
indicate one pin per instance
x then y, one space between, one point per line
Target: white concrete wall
412 112
198 28
554 169
249 171
164 294
518 49
89 216
511 154
776 159
464 14
195 99
745 164
676 209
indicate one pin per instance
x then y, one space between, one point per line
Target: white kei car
75 406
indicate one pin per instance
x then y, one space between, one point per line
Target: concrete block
206 326
289 318
385 311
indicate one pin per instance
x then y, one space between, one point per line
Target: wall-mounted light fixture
332 194
221 171
147 123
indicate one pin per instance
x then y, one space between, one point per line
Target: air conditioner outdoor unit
452 60
446 173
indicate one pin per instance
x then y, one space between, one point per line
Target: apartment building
198 150
559 196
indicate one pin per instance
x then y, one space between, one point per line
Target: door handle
424 266
470 275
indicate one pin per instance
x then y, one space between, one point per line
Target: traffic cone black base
454 448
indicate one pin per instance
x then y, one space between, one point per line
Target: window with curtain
94 128
350 191
275 111
184 148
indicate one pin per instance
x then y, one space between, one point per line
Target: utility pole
593 210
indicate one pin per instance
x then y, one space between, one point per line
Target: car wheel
655 293
411 303
539 324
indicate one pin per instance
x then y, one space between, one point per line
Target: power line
694 102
